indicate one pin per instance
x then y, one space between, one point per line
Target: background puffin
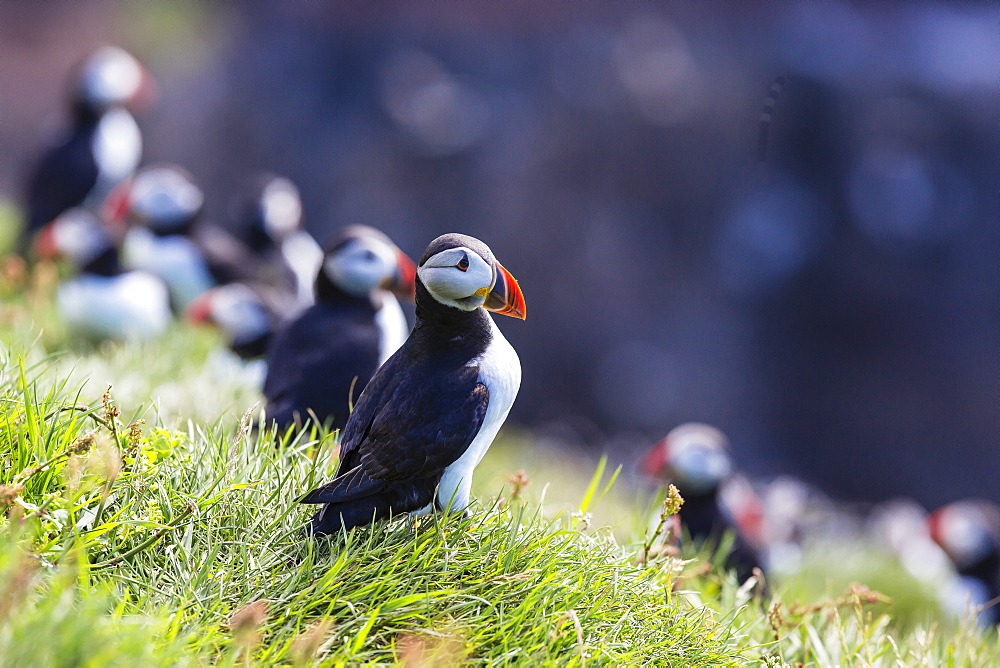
430 413
969 533
163 206
102 146
248 316
268 221
104 301
321 361
695 458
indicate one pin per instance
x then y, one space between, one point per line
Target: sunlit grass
153 526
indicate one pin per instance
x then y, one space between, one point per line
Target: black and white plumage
428 416
969 533
319 363
104 300
248 316
163 207
268 221
102 146
695 458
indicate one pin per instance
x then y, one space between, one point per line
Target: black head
461 272
359 260
268 212
165 199
109 77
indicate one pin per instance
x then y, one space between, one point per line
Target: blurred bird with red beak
102 146
694 457
103 300
969 533
319 363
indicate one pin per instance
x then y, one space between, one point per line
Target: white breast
392 327
304 256
133 305
174 259
117 147
500 371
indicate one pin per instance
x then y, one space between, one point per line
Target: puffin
268 221
319 362
695 458
969 533
248 315
104 300
102 145
427 417
162 207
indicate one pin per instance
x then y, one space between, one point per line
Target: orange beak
655 461
506 297
45 243
405 282
115 206
934 527
199 311
146 94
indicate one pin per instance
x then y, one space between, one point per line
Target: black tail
333 517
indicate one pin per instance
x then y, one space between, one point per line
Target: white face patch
444 278
111 76
281 207
79 237
361 266
164 197
238 311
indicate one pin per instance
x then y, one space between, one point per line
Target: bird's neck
257 239
329 294
84 115
106 263
436 321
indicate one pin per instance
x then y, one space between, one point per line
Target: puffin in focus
319 363
268 221
695 457
103 145
104 301
431 411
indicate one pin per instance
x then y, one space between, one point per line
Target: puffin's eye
463 264
369 256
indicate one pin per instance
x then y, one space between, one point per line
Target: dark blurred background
837 314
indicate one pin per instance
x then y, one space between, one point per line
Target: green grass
178 541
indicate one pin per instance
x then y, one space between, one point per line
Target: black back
314 362
705 522
64 175
417 416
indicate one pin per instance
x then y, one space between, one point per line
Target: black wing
405 428
228 259
313 363
64 176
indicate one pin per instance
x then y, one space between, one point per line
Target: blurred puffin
104 301
321 361
102 146
268 220
162 206
969 533
695 458
247 316
428 416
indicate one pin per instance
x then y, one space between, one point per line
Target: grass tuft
143 521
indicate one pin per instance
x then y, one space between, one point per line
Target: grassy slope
178 542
